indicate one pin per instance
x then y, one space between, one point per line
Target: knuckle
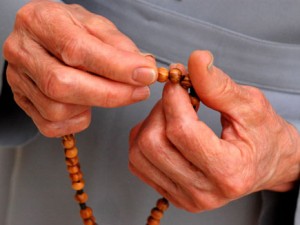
56 112
85 120
145 140
258 99
76 6
46 130
234 188
9 48
72 53
55 129
24 14
204 201
12 78
178 129
57 84
228 87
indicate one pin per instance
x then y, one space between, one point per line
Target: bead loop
176 76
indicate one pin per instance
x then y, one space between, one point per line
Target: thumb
214 88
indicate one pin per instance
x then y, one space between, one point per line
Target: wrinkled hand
64 59
183 159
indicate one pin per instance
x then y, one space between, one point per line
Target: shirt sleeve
15 126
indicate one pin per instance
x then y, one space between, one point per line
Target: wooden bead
195 102
73 169
156 213
78 185
71 153
68 141
163 75
186 82
75 177
88 222
81 198
72 161
152 221
86 213
175 75
162 204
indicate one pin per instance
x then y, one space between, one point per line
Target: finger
147 172
283 187
53 129
103 29
134 132
49 109
193 138
215 89
162 154
66 38
156 186
184 108
189 179
69 85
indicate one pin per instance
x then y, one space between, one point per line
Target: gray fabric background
35 188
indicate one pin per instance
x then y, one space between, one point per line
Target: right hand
63 59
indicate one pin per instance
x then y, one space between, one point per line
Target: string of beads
73 166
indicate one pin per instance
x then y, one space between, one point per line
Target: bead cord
73 166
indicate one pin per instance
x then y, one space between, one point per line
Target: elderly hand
64 59
183 159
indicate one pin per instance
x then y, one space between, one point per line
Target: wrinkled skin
64 59
176 153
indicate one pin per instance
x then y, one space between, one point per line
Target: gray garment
16 127
39 189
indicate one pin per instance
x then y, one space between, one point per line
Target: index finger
66 38
191 136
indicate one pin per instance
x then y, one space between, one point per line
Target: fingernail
211 63
147 54
141 93
144 76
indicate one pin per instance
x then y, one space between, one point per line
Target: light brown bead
88 222
71 153
73 169
72 161
163 74
175 75
152 221
78 185
68 141
86 213
162 204
81 198
186 82
75 177
156 213
93 219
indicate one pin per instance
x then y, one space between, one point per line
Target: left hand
185 161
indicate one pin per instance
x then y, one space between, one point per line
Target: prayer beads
73 167
72 161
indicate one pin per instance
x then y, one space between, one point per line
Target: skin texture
60 65
176 153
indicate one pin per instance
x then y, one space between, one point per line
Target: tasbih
73 166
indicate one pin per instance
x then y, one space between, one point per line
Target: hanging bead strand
73 167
